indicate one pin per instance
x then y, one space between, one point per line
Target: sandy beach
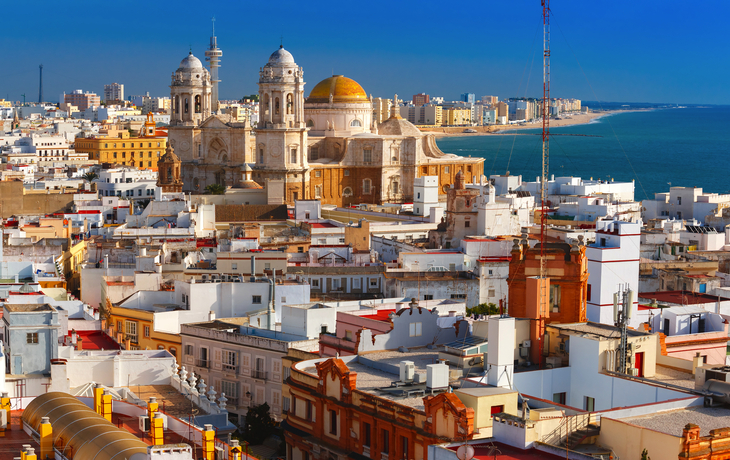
568 120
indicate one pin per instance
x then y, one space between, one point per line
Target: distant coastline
575 119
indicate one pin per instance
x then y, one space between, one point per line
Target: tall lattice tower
40 85
545 132
213 55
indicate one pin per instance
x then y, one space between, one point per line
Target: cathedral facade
326 146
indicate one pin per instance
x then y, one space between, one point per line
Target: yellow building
4 103
141 152
137 327
455 116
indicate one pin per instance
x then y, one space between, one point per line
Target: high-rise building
469 97
113 92
420 99
489 100
82 100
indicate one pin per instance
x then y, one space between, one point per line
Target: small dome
281 57
190 62
341 88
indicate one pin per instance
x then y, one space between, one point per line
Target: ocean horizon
685 147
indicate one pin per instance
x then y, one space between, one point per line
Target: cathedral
326 146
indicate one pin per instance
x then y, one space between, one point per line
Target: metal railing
202 363
258 374
230 368
567 426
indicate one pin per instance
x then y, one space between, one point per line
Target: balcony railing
230 368
257 374
202 363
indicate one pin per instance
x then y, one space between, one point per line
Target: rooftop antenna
40 85
545 159
213 55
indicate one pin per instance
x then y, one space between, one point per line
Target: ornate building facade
325 147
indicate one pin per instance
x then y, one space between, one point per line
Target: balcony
257 374
202 363
230 368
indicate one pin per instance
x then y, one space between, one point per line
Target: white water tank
437 376
407 370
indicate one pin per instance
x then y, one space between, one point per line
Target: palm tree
90 176
215 189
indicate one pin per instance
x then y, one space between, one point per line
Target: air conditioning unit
419 378
144 423
634 372
407 370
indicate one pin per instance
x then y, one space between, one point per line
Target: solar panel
466 343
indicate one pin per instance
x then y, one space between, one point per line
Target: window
404 447
293 155
131 331
315 283
348 335
559 398
347 172
286 405
317 191
467 224
229 360
230 389
283 300
234 266
367 156
309 413
427 296
491 293
31 337
333 422
356 283
415 329
588 293
496 410
146 331
173 351
366 185
261 155
310 124
446 169
347 190
458 296
318 173
373 282
336 284
555 298
119 326
679 200
149 163
590 404
267 266
115 154
356 124
385 445
256 299
300 249
189 350
366 435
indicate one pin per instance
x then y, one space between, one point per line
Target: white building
425 195
49 148
127 183
592 208
113 92
613 265
560 187
685 203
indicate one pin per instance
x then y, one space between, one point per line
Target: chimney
253 268
46 438
208 442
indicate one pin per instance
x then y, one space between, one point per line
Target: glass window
256 299
367 156
31 337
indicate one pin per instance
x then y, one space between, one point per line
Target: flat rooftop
596 331
29 307
673 422
681 297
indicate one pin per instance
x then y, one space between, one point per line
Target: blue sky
633 51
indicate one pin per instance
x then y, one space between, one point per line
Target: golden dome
342 89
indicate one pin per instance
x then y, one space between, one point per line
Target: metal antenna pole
40 85
545 131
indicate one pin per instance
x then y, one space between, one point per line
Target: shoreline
577 119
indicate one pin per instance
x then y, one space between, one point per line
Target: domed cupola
190 92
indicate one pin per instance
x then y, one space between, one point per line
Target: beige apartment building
244 363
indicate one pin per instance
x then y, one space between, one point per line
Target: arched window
266 102
224 158
177 104
288 103
356 124
310 124
169 173
276 106
366 186
261 155
187 106
198 105
347 191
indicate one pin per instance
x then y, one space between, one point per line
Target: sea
657 147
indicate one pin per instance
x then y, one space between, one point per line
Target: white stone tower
213 55
190 93
281 134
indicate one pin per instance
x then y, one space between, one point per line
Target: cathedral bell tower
168 172
190 93
281 134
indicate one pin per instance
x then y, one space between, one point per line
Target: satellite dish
465 452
